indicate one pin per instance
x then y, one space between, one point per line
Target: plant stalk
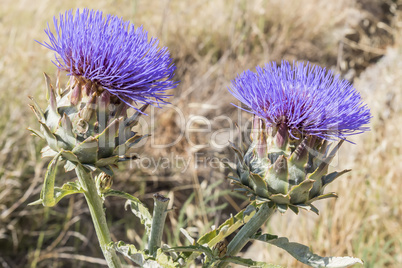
95 205
247 231
158 222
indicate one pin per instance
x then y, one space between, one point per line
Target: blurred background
211 42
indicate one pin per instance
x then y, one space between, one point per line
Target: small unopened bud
220 248
105 182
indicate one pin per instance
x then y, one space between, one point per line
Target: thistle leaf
129 251
138 208
303 254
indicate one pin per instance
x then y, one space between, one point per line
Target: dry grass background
212 41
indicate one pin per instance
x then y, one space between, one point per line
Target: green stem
247 231
158 221
95 205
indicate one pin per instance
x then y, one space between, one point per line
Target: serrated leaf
303 254
130 252
141 258
137 207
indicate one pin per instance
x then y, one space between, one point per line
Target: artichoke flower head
299 113
112 66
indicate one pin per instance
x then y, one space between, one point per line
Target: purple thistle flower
306 98
112 54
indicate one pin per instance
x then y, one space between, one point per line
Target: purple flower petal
307 98
113 54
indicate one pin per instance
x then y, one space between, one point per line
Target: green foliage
303 254
141 258
137 208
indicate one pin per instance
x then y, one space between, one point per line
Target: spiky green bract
291 173
94 130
